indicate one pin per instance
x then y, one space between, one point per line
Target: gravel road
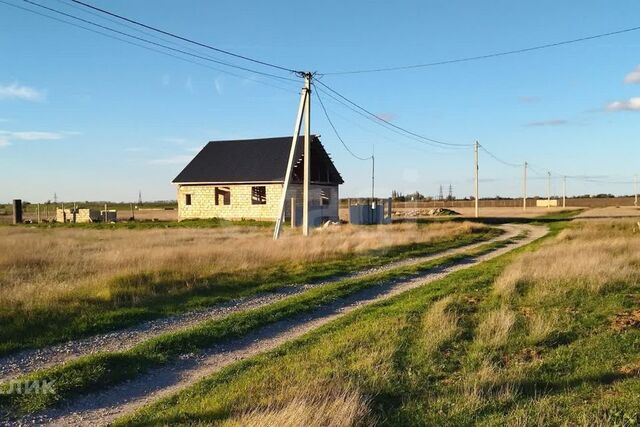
31 360
103 407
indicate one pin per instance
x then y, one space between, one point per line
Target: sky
88 117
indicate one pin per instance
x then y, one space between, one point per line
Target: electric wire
378 118
142 39
485 56
326 114
185 39
498 159
53 18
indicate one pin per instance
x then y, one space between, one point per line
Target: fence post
17 211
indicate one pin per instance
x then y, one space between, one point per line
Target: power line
485 56
336 131
496 158
380 119
167 33
53 18
184 52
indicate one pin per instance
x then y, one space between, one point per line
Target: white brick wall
203 201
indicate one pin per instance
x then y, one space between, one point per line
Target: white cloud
633 77
632 104
551 122
389 117
32 135
217 83
7 137
174 160
17 91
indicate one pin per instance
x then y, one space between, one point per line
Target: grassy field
99 371
547 335
61 283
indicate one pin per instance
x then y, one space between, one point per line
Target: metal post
548 190
17 211
475 156
564 191
287 178
307 155
524 188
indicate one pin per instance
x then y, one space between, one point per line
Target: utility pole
307 155
373 177
305 97
564 191
475 156
548 190
524 188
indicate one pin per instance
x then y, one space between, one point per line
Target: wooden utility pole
307 155
475 171
564 191
524 188
548 190
304 95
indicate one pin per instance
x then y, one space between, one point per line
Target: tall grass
44 267
526 339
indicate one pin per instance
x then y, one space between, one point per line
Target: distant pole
475 157
564 191
307 155
38 212
373 176
133 215
635 203
524 188
548 190
105 212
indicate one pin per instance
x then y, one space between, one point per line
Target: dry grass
44 266
439 325
590 257
342 409
495 328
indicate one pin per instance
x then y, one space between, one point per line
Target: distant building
243 179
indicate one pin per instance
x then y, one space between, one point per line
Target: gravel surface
31 360
103 407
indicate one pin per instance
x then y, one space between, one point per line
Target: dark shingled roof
257 160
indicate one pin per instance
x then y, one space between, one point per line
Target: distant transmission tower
440 193
139 197
450 196
55 198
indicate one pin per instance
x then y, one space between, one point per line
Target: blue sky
92 118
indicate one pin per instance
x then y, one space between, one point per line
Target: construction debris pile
425 212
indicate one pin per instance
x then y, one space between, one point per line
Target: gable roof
257 160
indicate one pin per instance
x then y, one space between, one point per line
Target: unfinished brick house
243 179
